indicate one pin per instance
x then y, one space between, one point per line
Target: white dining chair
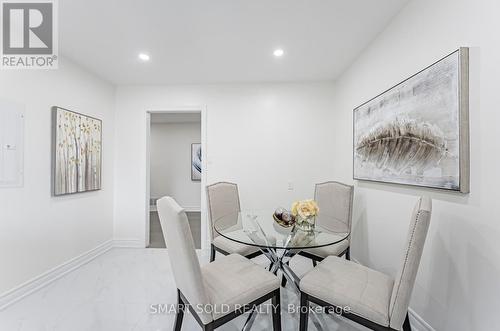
219 291
334 200
223 200
374 299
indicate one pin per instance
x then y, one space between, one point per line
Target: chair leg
212 253
276 309
348 254
283 278
180 312
208 327
304 312
283 281
406 324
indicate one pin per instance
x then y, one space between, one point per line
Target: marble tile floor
115 291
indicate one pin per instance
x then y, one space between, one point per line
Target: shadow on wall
479 285
434 194
361 215
439 284
359 231
442 274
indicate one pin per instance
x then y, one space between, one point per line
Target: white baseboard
187 209
128 243
36 283
192 209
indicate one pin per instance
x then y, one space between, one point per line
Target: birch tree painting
416 133
77 152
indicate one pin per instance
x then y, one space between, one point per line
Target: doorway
175 169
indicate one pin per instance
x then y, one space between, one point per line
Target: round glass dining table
279 244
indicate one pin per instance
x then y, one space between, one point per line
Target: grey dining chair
219 291
376 300
223 199
335 200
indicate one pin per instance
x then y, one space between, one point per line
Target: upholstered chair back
334 200
405 279
182 254
223 199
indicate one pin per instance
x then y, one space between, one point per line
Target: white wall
259 136
458 285
38 231
171 162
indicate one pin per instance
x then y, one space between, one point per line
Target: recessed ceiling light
278 52
144 57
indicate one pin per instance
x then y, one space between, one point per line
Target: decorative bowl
283 223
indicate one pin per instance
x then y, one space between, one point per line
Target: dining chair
219 291
375 300
223 199
335 200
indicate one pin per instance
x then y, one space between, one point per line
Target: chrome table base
279 262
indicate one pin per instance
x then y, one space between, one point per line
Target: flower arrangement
305 208
305 213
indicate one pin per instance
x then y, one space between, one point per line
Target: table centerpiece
305 212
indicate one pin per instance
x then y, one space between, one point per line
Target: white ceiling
214 41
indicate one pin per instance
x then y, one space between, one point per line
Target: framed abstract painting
417 132
196 162
76 152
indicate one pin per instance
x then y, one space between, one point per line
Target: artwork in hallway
76 152
196 162
416 133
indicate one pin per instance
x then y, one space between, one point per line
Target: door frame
202 110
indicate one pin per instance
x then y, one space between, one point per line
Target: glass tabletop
258 228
